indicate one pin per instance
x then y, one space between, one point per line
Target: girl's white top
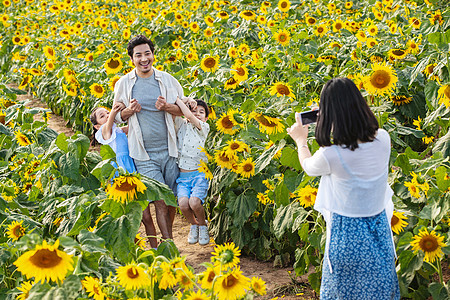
191 140
353 183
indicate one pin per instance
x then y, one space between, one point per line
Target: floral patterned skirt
362 260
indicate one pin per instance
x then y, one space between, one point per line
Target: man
150 95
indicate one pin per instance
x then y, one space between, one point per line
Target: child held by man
192 185
106 132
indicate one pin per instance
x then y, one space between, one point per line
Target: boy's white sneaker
193 234
203 235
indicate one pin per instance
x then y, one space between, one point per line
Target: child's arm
107 128
124 129
188 114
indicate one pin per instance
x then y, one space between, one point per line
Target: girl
107 133
353 197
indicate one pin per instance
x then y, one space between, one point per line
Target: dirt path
278 280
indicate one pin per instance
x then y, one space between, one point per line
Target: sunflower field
256 63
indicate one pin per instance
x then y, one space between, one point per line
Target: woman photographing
353 196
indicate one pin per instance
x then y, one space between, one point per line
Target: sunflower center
447 92
311 21
248 14
263 121
248 167
126 186
380 79
308 198
210 62
394 220
229 282
320 30
224 158
398 52
428 244
338 26
98 89
284 4
211 276
19 231
240 71
132 273
113 64
234 146
226 123
45 258
282 89
282 37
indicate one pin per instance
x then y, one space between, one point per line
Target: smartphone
309 117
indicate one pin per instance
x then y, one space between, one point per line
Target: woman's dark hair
344 112
93 118
204 105
139 40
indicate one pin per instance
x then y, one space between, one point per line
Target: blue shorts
192 184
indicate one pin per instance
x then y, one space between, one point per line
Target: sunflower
93 288
284 5
210 63
231 83
382 80
223 15
234 146
208 276
258 285
239 72
397 53
132 277
22 139
125 188
430 243
233 52
199 295
186 279
247 168
49 52
25 82
168 279
203 168
269 125
413 47
113 81
15 230
282 89
321 30
429 70
25 288
282 37
306 196
247 15
45 262
227 124
444 95
372 30
397 222
140 241
413 188
223 160
400 99
113 65
244 49
337 25
231 286
97 90
226 255
194 27
415 23
310 21
208 32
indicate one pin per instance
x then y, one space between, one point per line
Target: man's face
200 113
143 60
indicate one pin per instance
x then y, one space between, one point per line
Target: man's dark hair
139 40
344 112
204 105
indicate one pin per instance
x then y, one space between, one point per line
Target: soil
280 282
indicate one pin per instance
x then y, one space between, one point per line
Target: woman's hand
298 131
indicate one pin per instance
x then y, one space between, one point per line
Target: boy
192 185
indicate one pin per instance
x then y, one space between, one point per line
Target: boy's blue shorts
192 184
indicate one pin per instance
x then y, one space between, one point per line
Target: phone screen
309 117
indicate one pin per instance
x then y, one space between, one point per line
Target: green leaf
438 291
281 194
314 280
70 165
443 145
106 152
61 142
441 181
243 207
402 161
289 158
284 219
265 158
292 179
157 191
90 242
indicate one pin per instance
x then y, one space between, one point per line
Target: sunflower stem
441 278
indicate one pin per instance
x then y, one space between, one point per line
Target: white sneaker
193 234
203 235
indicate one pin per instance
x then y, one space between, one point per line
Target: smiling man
150 95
